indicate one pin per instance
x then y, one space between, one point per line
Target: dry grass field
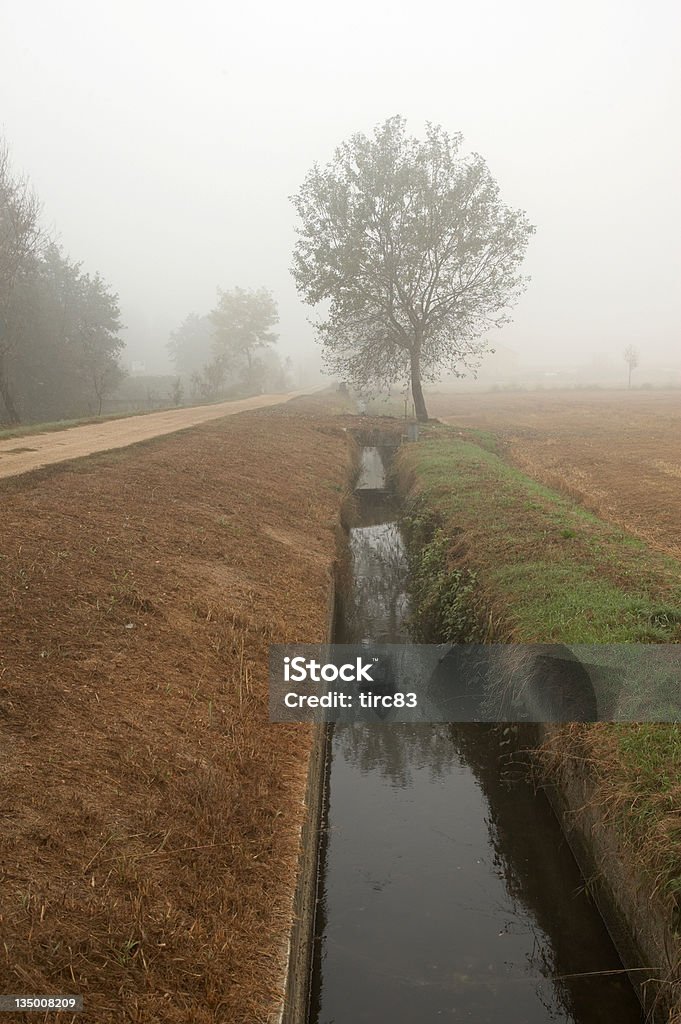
617 452
150 812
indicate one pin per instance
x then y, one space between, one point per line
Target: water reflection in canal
446 889
448 893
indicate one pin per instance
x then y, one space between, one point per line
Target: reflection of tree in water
529 854
397 751
541 876
377 604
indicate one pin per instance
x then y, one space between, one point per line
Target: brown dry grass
150 812
616 452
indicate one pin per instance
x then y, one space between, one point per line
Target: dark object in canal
514 682
547 683
561 690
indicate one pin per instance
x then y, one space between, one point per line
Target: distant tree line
229 351
59 326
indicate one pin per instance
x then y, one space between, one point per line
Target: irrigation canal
446 890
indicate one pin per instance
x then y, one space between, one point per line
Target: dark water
446 889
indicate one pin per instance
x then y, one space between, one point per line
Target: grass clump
443 597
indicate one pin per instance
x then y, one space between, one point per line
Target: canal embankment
496 556
151 812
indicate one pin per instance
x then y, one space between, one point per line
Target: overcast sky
165 138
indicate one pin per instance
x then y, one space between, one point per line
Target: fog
165 139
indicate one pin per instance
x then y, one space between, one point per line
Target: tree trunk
416 389
6 395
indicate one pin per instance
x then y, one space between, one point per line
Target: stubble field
616 452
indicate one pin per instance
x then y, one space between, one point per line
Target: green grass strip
558 572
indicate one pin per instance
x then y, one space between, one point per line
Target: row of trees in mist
229 351
59 326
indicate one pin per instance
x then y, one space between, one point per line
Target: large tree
409 248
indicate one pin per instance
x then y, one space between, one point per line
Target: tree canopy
409 249
243 320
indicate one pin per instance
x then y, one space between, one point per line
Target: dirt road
33 451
